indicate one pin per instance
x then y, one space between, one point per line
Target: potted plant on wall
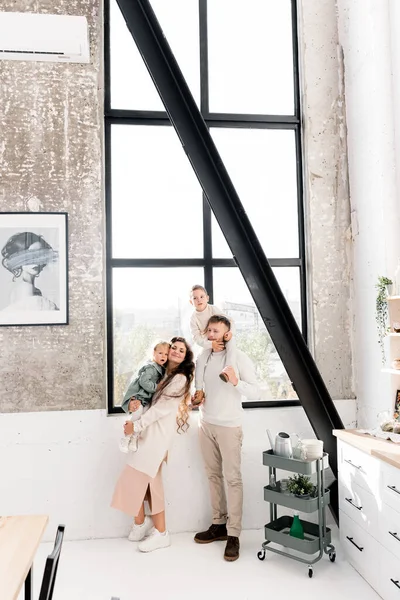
384 289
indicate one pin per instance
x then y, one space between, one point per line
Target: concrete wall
369 33
51 139
327 195
51 119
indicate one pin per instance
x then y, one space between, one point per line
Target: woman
25 255
141 478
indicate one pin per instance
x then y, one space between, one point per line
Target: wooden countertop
19 539
383 449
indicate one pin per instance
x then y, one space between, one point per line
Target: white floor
100 569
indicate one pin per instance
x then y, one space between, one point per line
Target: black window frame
221 120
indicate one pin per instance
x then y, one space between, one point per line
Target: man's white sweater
223 403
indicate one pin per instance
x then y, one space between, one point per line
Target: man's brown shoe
215 533
232 549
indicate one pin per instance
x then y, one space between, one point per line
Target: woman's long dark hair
186 368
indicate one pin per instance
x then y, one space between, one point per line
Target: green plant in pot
301 485
382 311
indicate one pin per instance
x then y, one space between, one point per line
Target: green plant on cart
382 311
301 485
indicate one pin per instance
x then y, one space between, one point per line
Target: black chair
50 570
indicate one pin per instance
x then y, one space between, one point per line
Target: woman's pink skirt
133 487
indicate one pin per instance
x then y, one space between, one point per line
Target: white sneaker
155 541
139 532
124 444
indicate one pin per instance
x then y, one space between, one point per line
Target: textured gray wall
50 145
327 196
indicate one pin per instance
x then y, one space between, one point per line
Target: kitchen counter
382 449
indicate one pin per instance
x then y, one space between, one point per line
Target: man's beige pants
221 448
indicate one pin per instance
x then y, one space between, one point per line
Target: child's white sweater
198 324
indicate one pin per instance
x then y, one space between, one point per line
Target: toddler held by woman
140 391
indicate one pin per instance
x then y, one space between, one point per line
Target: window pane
131 84
148 304
262 166
154 191
220 248
233 297
289 282
250 56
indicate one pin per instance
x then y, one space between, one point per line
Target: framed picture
33 268
397 405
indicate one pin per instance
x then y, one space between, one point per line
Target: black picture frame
397 405
33 269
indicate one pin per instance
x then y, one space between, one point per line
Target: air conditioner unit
42 37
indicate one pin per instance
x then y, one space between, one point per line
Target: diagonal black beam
231 216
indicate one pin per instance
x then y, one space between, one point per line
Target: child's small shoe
224 377
133 443
124 444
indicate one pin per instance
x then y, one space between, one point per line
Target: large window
240 62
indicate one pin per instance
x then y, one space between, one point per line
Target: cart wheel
332 556
261 555
310 572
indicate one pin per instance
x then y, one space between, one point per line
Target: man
221 436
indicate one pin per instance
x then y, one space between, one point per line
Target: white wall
368 34
65 464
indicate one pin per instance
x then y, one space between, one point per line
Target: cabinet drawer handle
396 582
396 537
354 544
393 488
350 501
352 464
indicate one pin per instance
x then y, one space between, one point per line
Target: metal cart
317 537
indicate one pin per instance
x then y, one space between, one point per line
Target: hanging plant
382 311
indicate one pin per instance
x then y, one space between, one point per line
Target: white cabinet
391 486
369 502
389 578
358 467
361 506
361 549
389 530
